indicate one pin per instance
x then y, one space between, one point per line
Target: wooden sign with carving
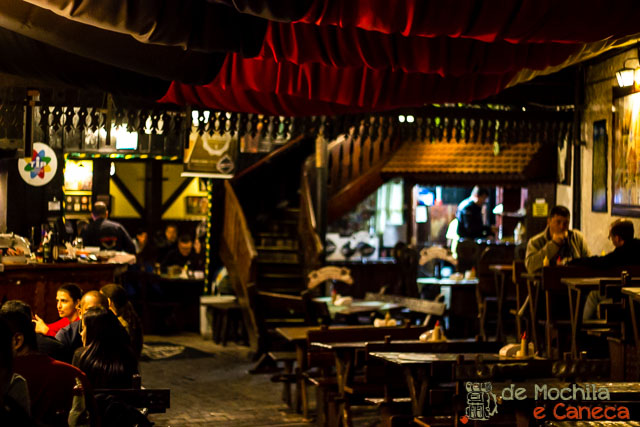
331 272
436 252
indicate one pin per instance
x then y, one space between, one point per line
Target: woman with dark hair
68 301
120 306
106 358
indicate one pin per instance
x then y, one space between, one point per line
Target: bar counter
36 284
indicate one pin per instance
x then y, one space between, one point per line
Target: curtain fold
210 27
524 21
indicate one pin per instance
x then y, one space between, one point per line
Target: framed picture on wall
599 171
625 174
195 205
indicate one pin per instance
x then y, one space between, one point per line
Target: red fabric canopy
530 21
304 57
374 55
326 87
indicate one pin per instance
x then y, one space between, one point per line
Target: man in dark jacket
626 253
107 234
469 214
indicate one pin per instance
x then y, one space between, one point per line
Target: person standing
469 215
107 234
556 244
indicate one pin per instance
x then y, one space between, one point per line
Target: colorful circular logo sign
40 168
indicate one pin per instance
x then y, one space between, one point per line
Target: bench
150 401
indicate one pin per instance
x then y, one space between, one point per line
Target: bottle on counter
55 246
47 256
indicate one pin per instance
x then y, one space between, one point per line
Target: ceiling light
626 75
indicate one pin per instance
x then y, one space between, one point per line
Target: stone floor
214 389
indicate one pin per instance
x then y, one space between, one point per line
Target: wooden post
153 195
409 211
321 187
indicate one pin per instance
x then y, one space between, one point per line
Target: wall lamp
627 75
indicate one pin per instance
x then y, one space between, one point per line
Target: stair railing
355 164
239 254
310 243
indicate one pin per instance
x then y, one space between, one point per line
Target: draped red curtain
374 55
304 57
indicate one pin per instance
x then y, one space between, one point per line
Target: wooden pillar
577 146
409 203
4 176
321 186
101 178
153 194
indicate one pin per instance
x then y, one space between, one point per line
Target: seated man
626 253
70 335
183 255
44 343
557 244
50 382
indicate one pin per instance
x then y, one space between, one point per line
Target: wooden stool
225 316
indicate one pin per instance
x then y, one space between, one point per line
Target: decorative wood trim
129 195
174 196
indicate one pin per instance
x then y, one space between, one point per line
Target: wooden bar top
61 266
37 283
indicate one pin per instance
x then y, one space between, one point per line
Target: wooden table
501 273
297 335
170 303
418 367
358 306
579 288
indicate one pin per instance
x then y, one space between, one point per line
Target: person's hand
41 326
560 238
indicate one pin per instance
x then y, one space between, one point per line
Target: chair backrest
286 308
153 400
407 260
498 254
468 252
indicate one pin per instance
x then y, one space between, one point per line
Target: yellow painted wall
120 206
133 175
177 210
171 179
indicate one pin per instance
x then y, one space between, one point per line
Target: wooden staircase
279 266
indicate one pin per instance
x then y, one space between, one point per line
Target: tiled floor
214 389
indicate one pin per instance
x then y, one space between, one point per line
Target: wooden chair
487 289
147 401
520 311
338 379
554 315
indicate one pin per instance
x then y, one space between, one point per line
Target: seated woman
68 300
121 307
106 358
